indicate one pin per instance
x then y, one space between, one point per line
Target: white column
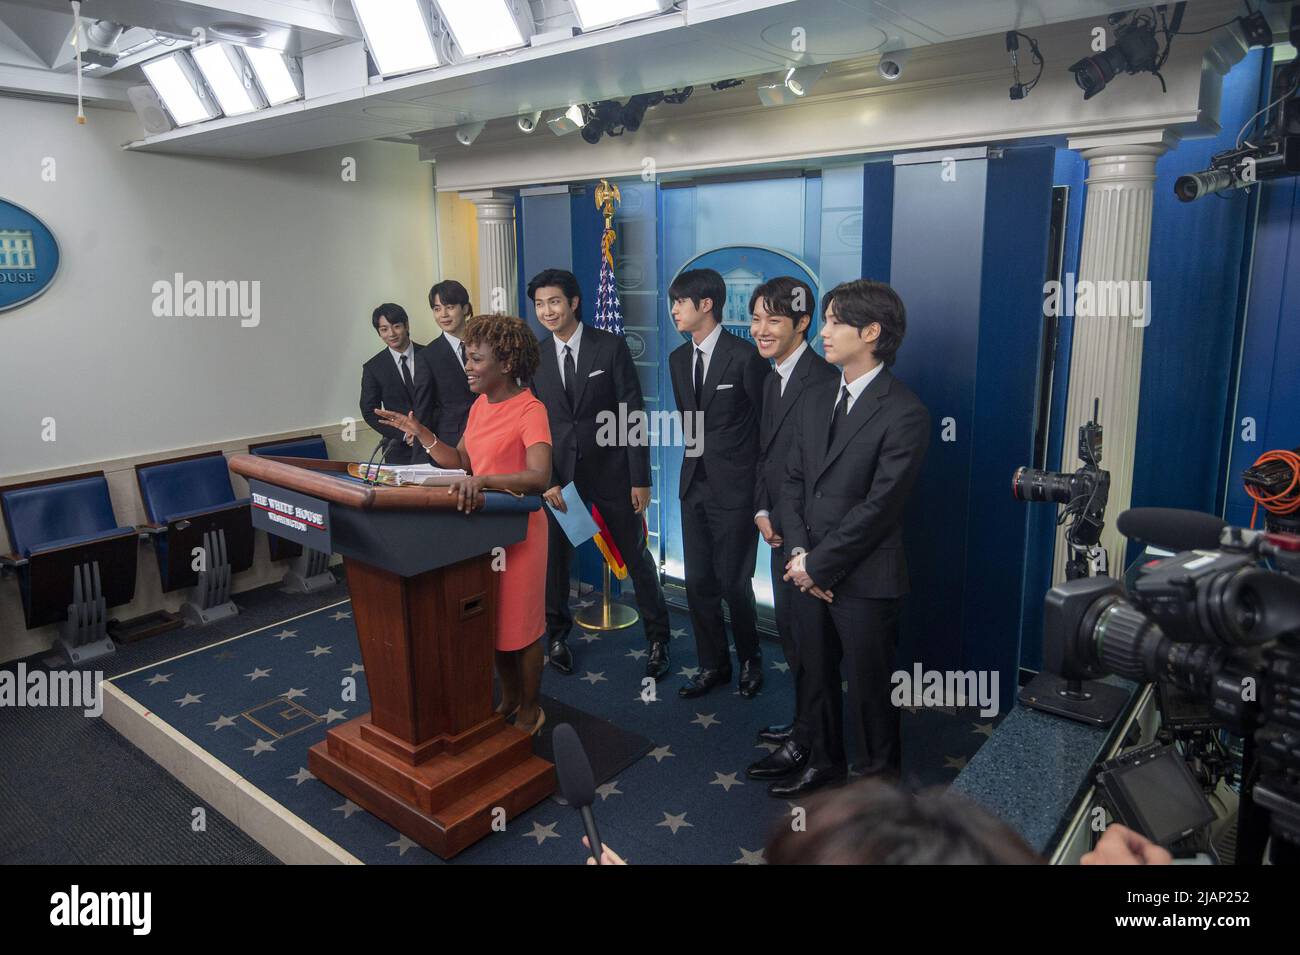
1106 353
497 267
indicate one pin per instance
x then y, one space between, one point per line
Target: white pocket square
598 371
722 387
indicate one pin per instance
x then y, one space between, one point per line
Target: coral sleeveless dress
497 437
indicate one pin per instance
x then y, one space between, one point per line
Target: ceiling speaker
147 105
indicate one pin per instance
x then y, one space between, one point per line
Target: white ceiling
705 41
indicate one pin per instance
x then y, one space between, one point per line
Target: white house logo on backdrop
29 256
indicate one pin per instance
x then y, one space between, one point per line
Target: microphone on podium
386 444
577 784
1172 529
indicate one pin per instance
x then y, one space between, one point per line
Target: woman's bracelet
428 448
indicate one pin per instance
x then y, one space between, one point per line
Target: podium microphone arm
382 445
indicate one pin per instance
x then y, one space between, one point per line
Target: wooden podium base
446 802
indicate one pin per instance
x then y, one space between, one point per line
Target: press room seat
56 526
183 499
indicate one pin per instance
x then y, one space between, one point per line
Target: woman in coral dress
506 445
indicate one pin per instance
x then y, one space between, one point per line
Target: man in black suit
780 314
585 375
858 450
393 380
718 381
444 361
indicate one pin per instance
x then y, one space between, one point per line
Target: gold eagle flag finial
607 199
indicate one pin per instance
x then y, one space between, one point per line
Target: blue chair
309 571
72 559
193 514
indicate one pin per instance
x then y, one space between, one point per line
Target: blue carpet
686 801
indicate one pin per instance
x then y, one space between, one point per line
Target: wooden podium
431 758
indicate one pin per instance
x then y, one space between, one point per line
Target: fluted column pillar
1106 353
497 266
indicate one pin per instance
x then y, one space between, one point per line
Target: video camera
1220 620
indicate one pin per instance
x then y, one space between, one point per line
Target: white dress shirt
410 359
455 344
575 340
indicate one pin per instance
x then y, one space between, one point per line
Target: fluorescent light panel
397 34
178 85
593 14
485 26
229 78
278 81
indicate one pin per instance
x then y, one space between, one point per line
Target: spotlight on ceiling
569 120
398 35
791 88
593 14
891 64
279 76
527 122
480 27
229 77
466 133
178 84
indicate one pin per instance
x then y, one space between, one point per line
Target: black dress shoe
704 681
656 665
776 733
561 656
783 762
810 780
751 677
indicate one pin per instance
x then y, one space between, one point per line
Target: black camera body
1216 623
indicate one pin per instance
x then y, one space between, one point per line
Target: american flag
609 310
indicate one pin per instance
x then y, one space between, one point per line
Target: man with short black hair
781 311
584 376
719 377
444 359
393 380
859 445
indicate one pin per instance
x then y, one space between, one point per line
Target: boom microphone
576 782
1172 529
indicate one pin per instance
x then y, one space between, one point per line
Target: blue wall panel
938 231
1188 349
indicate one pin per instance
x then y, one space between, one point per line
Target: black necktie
699 375
406 377
463 359
841 412
771 396
570 375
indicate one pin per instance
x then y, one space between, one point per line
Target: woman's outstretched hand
406 423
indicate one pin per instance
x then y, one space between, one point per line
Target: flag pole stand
606 615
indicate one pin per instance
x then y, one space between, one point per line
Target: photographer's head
864 324
871 823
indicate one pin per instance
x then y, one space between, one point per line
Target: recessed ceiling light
237 31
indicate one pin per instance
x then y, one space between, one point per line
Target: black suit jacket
382 386
844 504
606 378
779 423
732 403
450 395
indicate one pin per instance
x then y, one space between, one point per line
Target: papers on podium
397 475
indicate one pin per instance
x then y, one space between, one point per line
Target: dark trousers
720 545
783 594
629 536
863 633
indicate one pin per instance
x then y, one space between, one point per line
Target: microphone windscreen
572 767
1172 529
